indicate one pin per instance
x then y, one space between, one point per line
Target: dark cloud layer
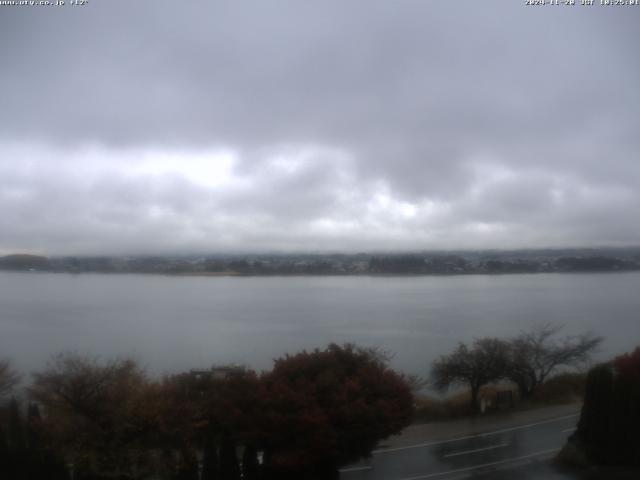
182 126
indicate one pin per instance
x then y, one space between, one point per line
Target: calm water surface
174 323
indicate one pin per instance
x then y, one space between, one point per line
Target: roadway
520 451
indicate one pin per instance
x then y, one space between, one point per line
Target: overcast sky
207 126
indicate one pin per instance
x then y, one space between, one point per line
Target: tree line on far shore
435 263
86 419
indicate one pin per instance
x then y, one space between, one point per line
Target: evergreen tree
595 420
210 460
16 458
34 426
610 419
250 466
4 456
229 468
188 469
16 432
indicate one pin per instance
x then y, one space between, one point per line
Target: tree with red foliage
330 407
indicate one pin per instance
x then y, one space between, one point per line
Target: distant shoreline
311 275
415 264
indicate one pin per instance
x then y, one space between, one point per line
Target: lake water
175 323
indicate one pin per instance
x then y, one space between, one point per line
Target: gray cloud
161 126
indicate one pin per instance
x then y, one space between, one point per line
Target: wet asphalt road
521 452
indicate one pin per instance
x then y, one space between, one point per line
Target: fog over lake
175 323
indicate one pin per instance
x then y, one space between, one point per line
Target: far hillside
24 262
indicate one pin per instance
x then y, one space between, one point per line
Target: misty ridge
428 263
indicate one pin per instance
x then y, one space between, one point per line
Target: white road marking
483 465
355 469
567 430
476 450
468 437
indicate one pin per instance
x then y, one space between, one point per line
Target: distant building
215 373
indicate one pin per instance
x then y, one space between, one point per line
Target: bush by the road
562 388
610 421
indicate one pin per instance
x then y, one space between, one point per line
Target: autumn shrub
457 405
432 409
330 407
562 388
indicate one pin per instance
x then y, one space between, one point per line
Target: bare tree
83 385
417 383
8 378
535 354
95 411
482 363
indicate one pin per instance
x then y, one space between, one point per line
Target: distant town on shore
416 263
